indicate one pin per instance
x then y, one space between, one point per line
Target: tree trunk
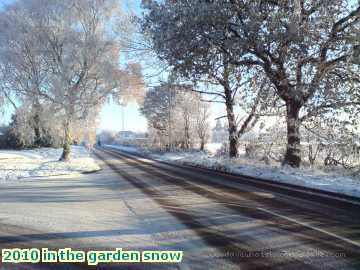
36 125
186 116
233 140
67 140
37 132
202 145
187 137
233 134
293 153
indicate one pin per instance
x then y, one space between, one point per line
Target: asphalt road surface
219 221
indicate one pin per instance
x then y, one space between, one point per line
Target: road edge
344 198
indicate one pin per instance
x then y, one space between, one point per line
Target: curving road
219 221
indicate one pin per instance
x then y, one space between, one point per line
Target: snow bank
348 185
44 162
302 177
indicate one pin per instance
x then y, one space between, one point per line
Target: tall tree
303 47
22 67
76 52
175 31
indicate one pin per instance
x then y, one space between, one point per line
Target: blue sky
111 114
110 118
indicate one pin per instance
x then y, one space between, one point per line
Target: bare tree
22 67
202 124
173 115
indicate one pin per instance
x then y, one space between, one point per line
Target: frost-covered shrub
252 150
223 150
44 128
331 143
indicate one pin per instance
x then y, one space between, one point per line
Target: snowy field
349 185
44 162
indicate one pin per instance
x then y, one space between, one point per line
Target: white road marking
349 241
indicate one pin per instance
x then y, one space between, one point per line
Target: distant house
219 133
126 135
129 137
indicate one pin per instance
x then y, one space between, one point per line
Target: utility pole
170 106
123 117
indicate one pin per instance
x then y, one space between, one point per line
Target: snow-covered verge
311 178
44 162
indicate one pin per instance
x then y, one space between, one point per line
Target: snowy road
144 205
